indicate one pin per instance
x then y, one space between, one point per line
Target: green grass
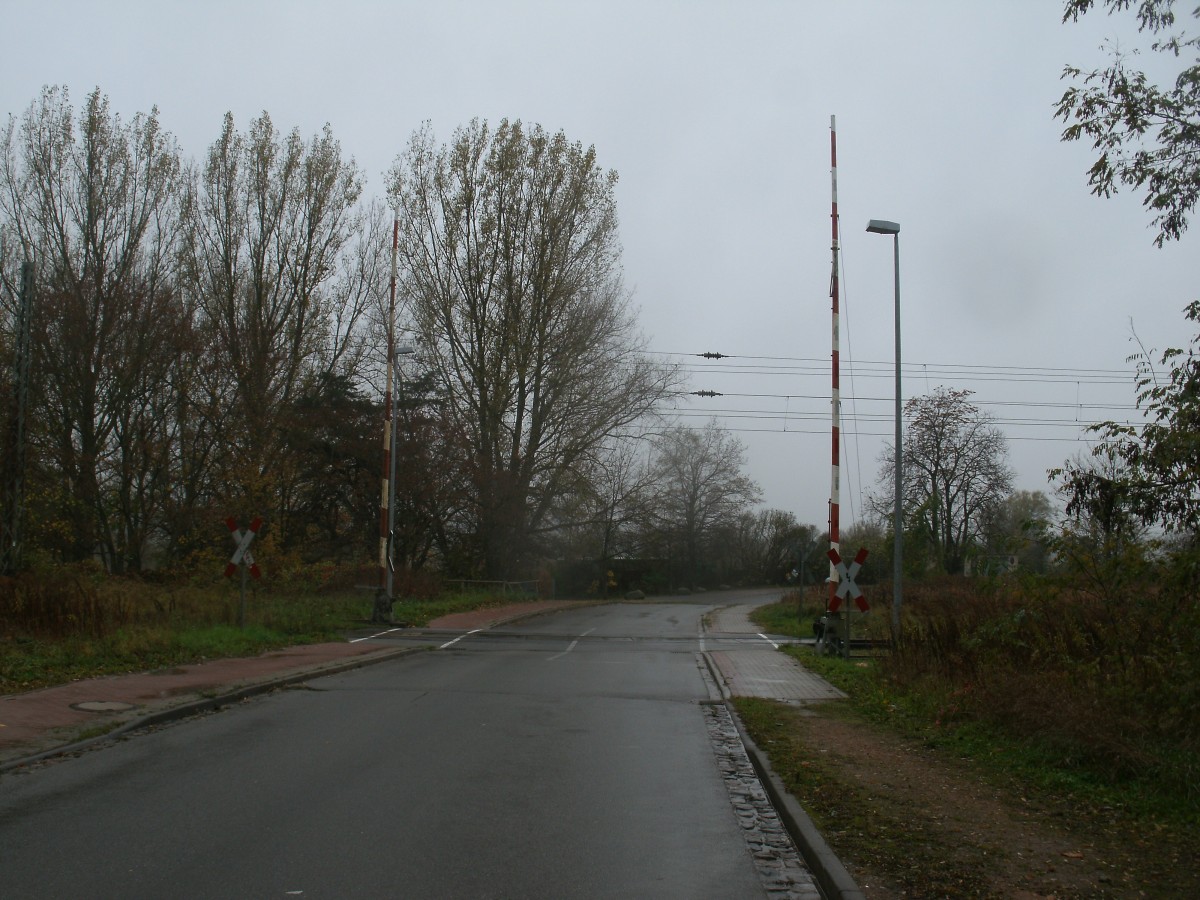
53 633
1120 820
789 616
894 841
419 613
34 663
933 716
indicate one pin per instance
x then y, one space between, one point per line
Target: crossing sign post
847 589
242 558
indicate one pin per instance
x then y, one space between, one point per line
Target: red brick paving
36 720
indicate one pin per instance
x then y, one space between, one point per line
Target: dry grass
1109 684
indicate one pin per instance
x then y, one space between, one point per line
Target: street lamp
406 350
881 226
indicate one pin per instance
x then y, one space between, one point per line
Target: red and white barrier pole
836 404
384 533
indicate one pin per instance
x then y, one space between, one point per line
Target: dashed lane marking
372 636
570 647
459 638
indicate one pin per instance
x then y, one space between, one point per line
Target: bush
1108 683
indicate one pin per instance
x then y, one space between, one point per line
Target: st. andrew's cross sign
242 554
847 588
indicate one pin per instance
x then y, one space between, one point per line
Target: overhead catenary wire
795 418
885 369
1005 410
1079 439
1032 403
882 363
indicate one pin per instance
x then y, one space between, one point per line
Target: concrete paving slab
771 675
759 672
734 619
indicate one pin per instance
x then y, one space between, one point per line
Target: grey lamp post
880 226
406 350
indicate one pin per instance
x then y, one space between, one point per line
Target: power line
775 415
1030 376
890 365
804 366
1079 439
825 397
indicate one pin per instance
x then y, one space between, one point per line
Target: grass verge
131 627
791 616
909 854
933 717
1046 816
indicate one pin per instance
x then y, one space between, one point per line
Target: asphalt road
565 757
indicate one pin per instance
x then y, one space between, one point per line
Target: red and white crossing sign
847 588
242 554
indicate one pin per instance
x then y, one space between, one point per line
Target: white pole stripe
835 393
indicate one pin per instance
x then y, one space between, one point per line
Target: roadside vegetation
62 625
1077 693
1071 712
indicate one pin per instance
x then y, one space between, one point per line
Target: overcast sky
716 115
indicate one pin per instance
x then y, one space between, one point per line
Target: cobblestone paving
779 865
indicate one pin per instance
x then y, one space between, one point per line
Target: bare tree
768 544
95 203
1017 526
511 264
955 472
607 516
702 487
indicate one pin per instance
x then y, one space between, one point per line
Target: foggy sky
716 116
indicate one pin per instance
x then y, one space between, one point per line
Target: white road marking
768 640
372 636
571 647
459 638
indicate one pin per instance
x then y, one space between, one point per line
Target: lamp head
882 226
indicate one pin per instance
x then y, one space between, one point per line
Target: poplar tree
511 264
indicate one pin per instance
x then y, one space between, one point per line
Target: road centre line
370 636
570 647
768 640
459 638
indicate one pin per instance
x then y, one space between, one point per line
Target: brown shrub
57 605
1102 680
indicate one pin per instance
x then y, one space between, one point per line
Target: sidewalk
39 723
762 672
36 723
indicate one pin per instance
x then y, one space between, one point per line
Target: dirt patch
911 821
